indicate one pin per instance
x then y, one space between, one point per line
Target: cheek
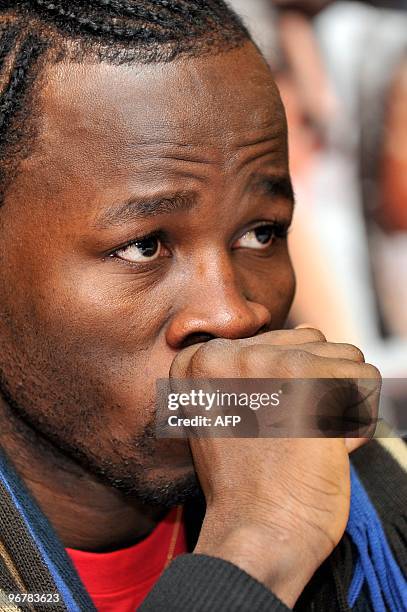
101 346
104 311
271 283
282 297
112 330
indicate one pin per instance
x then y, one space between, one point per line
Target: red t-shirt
120 580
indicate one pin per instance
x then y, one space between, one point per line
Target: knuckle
355 352
204 356
259 361
180 365
250 358
211 357
218 344
295 362
373 372
315 335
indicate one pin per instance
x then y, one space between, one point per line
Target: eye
140 251
258 238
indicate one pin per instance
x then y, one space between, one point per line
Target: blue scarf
375 567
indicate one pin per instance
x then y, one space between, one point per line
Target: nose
215 305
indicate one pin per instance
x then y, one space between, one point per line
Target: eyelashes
262 237
143 250
151 247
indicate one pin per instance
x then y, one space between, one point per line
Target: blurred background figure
342 71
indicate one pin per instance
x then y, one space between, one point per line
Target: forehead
215 101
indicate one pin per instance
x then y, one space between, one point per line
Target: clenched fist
275 507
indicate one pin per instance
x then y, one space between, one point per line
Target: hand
275 507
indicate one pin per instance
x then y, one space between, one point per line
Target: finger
330 350
286 337
180 365
346 368
309 360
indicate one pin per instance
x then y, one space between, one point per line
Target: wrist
275 561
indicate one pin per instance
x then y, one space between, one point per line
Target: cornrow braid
157 21
19 81
8 37
36 32
23 57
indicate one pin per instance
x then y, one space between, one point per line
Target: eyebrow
134 208
144 208
278 186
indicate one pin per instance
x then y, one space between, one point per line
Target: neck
85 513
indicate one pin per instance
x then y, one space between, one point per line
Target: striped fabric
32 559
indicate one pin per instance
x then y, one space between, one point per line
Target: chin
164 477
169 492
159 487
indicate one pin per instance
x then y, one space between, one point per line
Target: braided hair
38 32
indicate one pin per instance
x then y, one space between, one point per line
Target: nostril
196 338
263 330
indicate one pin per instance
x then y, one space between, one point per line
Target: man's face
149 216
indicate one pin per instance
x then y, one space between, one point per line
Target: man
146 204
